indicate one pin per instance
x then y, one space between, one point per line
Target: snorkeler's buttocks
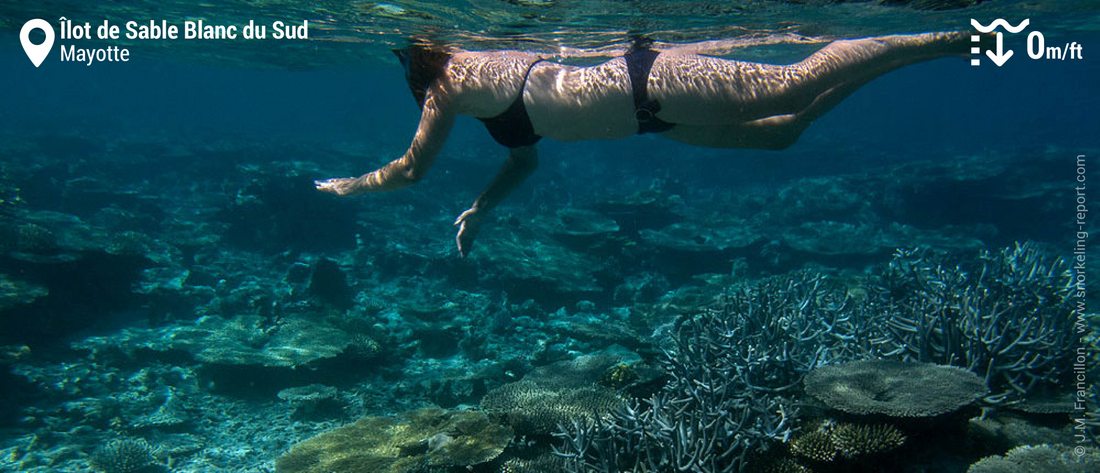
700 100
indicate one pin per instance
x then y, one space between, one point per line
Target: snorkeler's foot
339 185
956 42
468 225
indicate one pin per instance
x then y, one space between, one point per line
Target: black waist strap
513 127
639 61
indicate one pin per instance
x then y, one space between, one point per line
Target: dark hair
640 42
423 65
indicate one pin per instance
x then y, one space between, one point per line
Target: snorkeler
700 100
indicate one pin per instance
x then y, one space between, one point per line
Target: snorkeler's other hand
339 185
468 224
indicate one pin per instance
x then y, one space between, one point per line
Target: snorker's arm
436 121
521 162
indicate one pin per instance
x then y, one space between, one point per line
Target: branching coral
1007 317
733 370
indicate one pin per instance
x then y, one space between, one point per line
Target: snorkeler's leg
839 69
866 58
815 85
435 123
775 104
521 163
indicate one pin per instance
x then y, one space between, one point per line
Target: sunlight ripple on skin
699 100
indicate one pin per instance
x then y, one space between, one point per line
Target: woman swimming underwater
695 99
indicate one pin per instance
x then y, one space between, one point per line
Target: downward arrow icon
1001 56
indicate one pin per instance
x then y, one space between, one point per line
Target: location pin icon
36 52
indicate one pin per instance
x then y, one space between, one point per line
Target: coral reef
329 284
245 341
785 465
858 440
537 410
834 441
561 393
540 464
203 297
817 446
584 229
1007 317
278 209
894 388
1044 458
314 401
1002 431
734 370
408 443
541 270
14 292
737 367
125 456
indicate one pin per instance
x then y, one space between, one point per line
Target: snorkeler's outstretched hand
468 225
339 185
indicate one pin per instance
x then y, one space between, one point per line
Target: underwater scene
770 236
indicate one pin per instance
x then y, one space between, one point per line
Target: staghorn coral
414 441
1006 316
125 456
894 388
768 335
733 369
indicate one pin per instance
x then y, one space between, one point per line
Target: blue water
162 247
1024 106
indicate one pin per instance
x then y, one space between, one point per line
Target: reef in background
203 309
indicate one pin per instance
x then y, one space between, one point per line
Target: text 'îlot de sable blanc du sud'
162 30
